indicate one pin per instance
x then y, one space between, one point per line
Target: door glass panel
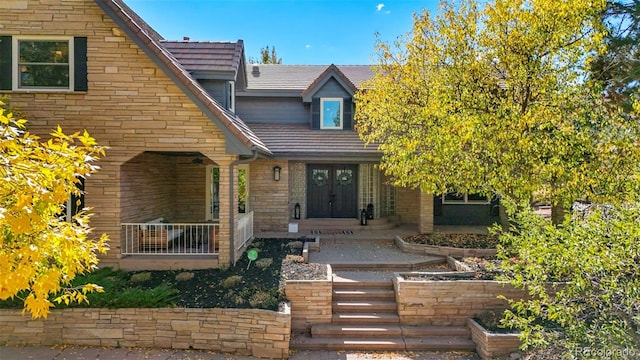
320 177
344 177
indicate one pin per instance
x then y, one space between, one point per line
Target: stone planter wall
448 302
442 250
259 333
310 301
491 345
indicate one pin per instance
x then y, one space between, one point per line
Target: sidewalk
90 353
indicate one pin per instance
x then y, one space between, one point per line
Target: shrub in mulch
465 241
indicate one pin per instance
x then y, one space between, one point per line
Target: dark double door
332 191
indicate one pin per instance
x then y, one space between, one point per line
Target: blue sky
303 32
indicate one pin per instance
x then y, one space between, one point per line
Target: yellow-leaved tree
42 246
495 98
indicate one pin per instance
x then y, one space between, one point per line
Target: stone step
354 331
364 293
365 319
304 342
364 306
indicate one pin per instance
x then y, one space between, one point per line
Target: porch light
276 173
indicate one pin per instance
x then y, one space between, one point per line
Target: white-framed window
43 63
331 113
231 96
456 198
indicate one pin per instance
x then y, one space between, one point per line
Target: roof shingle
299 77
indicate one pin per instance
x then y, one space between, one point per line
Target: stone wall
260 333
310 301
269 199
492 345
448 302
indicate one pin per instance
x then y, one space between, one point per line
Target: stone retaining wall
310 301
260 333
421 249
448 302
492 345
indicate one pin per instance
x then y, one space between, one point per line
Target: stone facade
258 333
449 302
132 107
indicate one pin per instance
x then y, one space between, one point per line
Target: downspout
232 209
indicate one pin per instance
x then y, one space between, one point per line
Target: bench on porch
157 235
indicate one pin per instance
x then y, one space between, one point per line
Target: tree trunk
557 214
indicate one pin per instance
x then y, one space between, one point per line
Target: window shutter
5 63
437 205
315 113
347 115
80 64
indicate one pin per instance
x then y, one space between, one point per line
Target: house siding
269 199
408 205
131 106
278 110
217 89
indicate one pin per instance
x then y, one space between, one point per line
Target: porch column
426 213
224 253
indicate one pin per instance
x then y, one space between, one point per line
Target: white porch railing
245 229
170 239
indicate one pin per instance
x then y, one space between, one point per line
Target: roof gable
240 139
331 72
208 60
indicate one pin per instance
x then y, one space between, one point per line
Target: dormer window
231 96
331 110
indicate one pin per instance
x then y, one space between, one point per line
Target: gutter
232 209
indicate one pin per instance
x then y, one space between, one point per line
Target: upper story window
331 113
43 63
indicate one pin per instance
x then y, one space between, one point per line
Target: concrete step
393 267
365 319
435 331
364 293
330 226
304 342
340 283
364 306
440 344
353 331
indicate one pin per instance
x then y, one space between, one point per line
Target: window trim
15 61
339 127
465 201
231 88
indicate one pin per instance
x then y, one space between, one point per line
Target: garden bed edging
422 249
255 332
311 301
448 302
490 345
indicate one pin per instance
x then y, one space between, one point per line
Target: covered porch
178 211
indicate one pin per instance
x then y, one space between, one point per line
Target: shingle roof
150 42
299 77
207 56
299 141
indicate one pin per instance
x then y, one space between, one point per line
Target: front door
332 191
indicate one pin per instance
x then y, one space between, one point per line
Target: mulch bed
244 285
465 241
